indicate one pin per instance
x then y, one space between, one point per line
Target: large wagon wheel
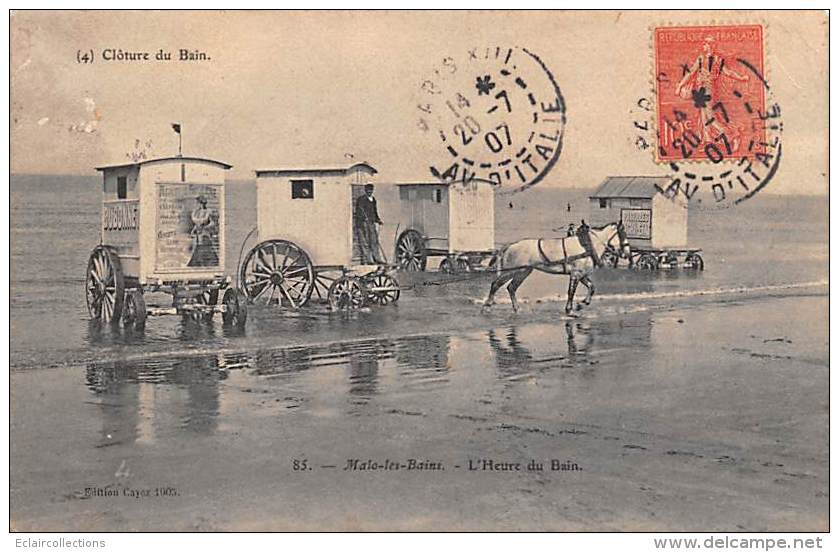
347 292
410 251
694 262
104 285
383 289
277 272
134 310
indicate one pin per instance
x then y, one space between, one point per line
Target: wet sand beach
692 414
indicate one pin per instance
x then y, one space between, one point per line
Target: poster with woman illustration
188 226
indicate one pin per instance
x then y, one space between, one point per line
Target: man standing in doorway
367 217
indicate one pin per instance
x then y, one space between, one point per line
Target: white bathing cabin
652 221
452 217
314 209
145 211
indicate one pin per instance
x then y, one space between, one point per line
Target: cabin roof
442 183
317 171
146 161
636 187
422 184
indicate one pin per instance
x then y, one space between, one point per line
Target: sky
306 89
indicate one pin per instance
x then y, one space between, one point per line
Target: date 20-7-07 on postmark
712 124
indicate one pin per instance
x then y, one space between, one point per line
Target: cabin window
122 187
302 189
438 195
604 203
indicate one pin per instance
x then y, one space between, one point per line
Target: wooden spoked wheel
277 272
694 261
347 293
382 289
609 258
410 251
134 310
648 261
104 285
323 281
446 266
235 308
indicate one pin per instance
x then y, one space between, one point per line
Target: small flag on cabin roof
176 127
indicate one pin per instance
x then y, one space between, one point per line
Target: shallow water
691 400
775 241
712 416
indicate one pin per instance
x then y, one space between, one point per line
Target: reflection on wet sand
141 398
129 397
186 330
513 356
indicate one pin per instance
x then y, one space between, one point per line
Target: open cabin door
357 192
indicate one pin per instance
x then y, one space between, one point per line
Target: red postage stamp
710 92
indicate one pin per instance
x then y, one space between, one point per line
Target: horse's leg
499 281
586 281
520 277
572 289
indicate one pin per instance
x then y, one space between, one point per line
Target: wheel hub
276 278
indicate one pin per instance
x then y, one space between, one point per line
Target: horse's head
622 245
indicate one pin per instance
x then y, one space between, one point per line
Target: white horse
567 256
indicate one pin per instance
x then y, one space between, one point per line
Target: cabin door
357 192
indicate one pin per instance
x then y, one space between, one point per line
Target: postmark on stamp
711 116
496 113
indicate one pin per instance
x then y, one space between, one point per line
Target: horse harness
585 240
566 260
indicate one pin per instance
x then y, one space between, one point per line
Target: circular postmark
497 114
711 117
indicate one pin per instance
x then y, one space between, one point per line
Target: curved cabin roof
162 159
366 167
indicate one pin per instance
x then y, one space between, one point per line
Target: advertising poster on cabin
120 225
638 223
188 227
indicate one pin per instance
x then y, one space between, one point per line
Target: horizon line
825 193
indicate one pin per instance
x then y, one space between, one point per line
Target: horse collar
545 258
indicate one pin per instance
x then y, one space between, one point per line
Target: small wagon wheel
461 264
647 261
609 258
134 310
323 281
235 308
446 266
382 289
277 272
694 261
104 285
410 251
347 292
